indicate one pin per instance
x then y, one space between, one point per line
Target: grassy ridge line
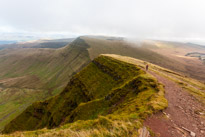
194 87
100 82
132 96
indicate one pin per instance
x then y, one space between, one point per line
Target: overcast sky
182 20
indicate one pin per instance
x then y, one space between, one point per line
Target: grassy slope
108 94
47 71
121 47
46 64
30 75
167 55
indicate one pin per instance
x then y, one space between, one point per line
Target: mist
174 20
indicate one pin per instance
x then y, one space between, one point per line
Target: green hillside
29 75
104 92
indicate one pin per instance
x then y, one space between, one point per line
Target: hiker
147 67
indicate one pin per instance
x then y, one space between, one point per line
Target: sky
174 20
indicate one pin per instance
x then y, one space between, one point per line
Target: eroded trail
183 112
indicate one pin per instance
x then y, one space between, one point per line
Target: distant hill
190 66
3 44
56 43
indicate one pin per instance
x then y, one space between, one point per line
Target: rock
201 113
180 107
192 134
167 115
143 132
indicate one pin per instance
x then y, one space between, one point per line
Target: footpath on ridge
180 118
185 114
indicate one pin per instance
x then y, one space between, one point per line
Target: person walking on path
147 67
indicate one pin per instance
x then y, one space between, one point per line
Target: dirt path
183 111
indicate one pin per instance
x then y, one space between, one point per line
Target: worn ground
184 111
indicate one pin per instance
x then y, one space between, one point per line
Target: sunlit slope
106 92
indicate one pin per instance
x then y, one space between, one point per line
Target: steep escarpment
106 87
28 75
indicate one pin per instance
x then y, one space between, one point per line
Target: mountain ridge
126 117
40 73
85 99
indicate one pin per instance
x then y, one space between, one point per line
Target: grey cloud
160 19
